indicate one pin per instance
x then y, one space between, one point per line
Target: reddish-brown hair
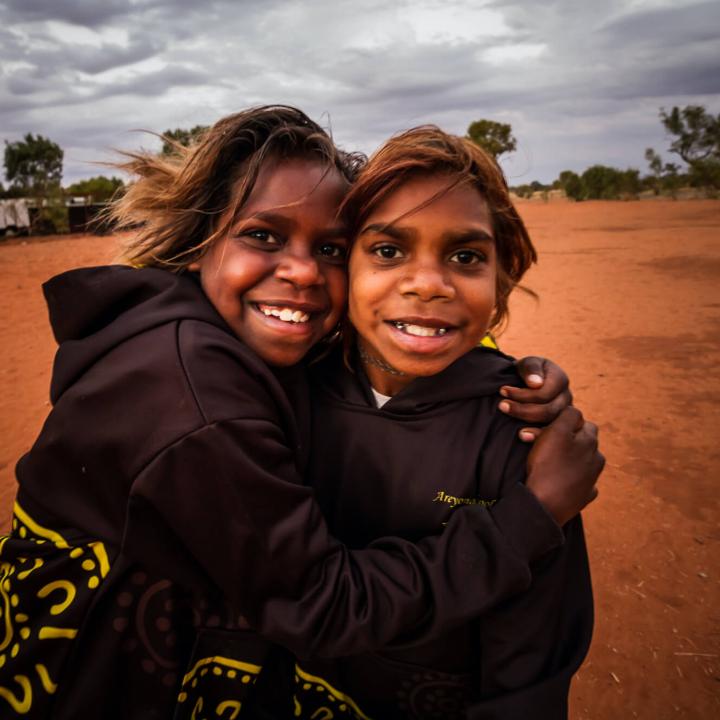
427 150
177 201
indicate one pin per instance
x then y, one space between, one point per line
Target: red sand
630 306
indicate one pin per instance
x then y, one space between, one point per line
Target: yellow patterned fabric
216 687
317 699
46 585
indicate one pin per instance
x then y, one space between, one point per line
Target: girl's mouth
426 336
419 330
283 313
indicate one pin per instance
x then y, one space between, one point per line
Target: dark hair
427 150
177 200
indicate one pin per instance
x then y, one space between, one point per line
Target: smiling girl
161 513
412 432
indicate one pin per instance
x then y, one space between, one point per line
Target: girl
160 513
411 432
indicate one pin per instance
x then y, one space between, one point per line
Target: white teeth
420 330
285 314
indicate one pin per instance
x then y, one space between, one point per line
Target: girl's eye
388 252
264 237
335 252
468 257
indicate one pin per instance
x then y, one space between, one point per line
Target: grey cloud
666 27
106 57
78 12
592 96
48 64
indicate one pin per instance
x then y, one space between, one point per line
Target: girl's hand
564 465
547 394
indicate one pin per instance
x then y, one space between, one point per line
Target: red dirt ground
630 306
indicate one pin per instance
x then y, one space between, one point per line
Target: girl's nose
428 282
300 269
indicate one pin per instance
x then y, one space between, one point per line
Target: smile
419 330
286 314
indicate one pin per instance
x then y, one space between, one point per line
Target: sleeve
533 643
225 504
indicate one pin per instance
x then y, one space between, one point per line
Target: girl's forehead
295 181
428 195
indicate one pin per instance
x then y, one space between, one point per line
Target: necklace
370 360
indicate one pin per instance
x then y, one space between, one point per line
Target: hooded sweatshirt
405 469
160 517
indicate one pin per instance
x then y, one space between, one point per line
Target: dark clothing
404 470
160 516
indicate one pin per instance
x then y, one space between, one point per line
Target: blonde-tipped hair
176 202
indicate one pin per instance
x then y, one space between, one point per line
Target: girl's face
278 276
422 280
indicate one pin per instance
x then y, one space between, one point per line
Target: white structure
14 214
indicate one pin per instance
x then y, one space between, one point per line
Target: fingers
542 376
529 434
600 462
533 412
570 420
532 371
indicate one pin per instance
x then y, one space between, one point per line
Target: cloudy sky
580 81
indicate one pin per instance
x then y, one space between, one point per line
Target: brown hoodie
160 513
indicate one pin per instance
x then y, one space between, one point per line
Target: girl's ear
194 266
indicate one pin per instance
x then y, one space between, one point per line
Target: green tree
697 133
181 136
33 164
523 191
656 168
33 167
665 177
493 137
572 185
630 185
697 142
99 189
672 179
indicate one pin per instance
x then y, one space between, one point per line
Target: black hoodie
405 469
160 513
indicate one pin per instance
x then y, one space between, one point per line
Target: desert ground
629 305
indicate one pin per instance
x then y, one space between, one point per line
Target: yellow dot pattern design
205 685
317 699
37 595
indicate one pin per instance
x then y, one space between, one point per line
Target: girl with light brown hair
411 432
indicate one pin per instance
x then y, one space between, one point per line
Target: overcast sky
580 81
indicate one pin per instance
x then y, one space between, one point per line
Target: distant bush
99 189
572 185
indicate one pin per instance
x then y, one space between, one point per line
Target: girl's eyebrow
388 229
458 237
282 221
455 237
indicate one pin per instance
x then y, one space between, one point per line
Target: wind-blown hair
427 150
177 202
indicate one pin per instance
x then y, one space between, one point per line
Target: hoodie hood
92 310
479 373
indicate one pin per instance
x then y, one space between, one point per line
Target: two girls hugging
281 476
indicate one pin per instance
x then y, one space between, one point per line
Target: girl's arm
229 494
534 643
224 506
